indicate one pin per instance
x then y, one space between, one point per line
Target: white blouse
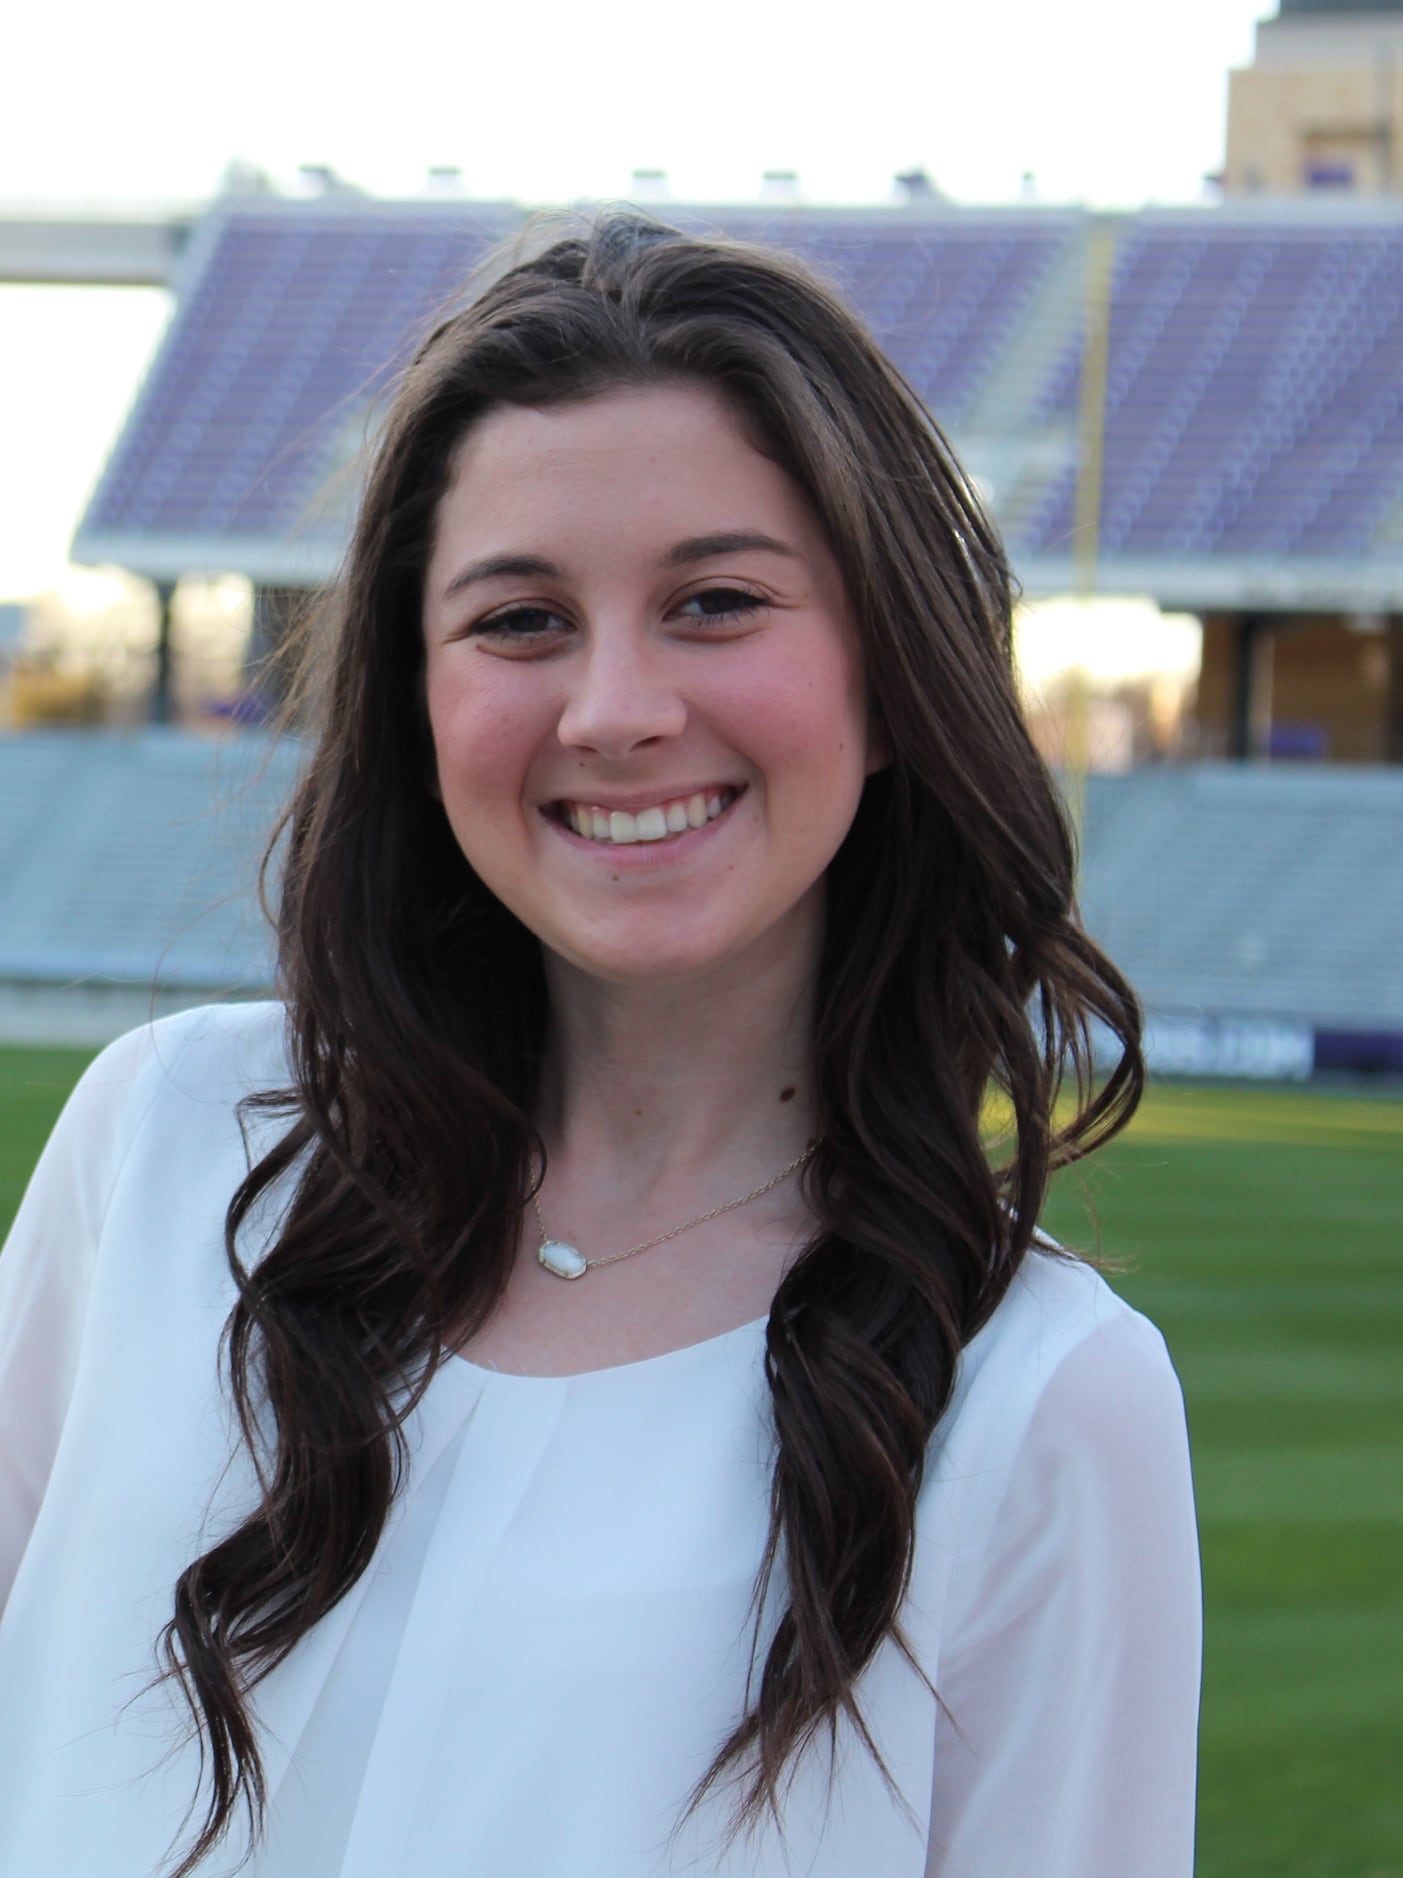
552 1638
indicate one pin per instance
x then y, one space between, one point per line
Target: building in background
1321 105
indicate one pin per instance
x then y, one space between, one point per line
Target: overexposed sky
1114 101
1105 101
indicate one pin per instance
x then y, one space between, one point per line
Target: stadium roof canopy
1341 6
1253 393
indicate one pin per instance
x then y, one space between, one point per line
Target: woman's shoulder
178 1080
1060 1348
211 1053
1055 1303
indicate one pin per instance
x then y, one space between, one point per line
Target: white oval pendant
564 1260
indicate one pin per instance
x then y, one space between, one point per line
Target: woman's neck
659 1086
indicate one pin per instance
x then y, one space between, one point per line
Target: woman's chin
680 952
623 966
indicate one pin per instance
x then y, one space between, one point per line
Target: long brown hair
953 963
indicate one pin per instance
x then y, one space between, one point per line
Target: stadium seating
1254 402
290 319
1272 893
1238 891
132 857
943 298
1254 388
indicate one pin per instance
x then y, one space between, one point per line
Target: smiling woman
672 880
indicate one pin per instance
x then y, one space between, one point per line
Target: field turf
1263 1232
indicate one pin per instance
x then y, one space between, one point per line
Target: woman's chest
558 1638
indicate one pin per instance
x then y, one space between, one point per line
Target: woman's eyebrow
694 548
496 566
731 541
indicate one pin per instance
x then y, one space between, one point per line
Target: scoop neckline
675 1356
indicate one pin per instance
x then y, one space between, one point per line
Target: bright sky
1102 101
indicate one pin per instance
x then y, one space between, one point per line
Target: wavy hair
953 964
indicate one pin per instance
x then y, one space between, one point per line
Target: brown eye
721 603
518 622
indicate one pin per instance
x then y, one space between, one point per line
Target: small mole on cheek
787 1095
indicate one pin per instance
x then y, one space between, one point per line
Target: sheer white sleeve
44 1276
1070 1671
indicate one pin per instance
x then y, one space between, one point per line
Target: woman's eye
721 603
519 623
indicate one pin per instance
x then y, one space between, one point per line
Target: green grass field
1263 1232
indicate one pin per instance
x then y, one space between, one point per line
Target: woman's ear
879 751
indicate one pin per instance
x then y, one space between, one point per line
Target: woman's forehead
655 465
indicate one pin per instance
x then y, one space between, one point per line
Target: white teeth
651 824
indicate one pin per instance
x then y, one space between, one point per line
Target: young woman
570 1389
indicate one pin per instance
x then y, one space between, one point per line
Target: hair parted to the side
953 963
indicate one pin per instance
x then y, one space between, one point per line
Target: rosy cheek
479 718
799 711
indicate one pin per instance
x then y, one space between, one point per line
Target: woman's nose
623 695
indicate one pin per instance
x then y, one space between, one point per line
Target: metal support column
1393 697
161 690
1249 715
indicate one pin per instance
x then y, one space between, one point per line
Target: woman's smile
657 820
643 683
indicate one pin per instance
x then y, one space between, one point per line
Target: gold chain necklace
567 1261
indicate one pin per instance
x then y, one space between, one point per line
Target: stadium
1202 405
1198 406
